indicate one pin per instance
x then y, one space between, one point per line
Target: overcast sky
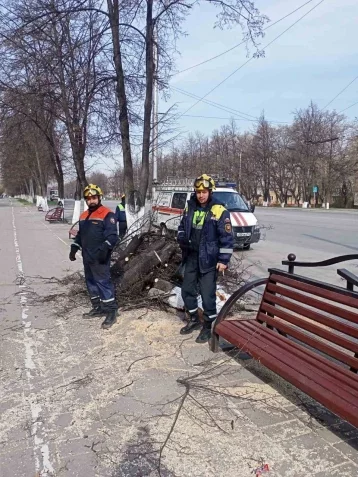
315 59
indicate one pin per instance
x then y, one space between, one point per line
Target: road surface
312 235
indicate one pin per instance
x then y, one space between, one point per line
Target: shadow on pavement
140 458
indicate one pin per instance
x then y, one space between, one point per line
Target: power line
241 43
348 107
353 80
252 57
227 109
216 117
212 103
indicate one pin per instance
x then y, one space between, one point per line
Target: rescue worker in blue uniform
96 237
121 217
205 237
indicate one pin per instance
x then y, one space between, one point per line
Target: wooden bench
306 331
55 215
73 230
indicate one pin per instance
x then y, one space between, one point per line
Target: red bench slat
330 395
312 342
309 326
315 290
318 304
346 377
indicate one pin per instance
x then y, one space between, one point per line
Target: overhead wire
241 42
250 59
216 117
212 103
227 109
342 90
348 107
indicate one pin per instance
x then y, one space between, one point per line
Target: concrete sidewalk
137 400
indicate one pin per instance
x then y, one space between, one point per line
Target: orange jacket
96 229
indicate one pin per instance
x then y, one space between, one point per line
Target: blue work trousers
99 283
196 282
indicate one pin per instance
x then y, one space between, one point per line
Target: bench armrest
214 342
352 280
291 262
236 296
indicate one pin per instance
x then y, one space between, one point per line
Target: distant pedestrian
96 237
121 217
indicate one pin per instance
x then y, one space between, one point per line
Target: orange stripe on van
243 219
167 210
237 218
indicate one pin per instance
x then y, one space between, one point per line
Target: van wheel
164 231
247 247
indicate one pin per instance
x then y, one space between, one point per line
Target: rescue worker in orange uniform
96 237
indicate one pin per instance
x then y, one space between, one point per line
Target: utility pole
355 192
239 173
155 110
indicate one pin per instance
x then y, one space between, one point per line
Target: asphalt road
312 235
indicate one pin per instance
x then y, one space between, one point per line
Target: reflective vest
198 219
214 227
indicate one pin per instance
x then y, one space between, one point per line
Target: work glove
183 242
73 253
102 253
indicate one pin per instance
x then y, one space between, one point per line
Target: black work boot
205 333
111 318
193 324
95 311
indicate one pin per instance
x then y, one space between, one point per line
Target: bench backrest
322 316
54 214
58 212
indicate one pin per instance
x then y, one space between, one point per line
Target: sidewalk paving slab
109 400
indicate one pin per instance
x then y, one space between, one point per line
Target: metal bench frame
73 230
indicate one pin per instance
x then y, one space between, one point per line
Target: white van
53 194
170 199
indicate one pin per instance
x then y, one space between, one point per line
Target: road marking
41 450
45 225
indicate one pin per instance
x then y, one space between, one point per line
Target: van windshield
232 201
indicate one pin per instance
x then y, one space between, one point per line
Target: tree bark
148 104
113 13
135 275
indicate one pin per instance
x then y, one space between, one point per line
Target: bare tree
25 157
263 149
158 23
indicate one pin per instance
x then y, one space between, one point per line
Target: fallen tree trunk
133 261
135 275
123 256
